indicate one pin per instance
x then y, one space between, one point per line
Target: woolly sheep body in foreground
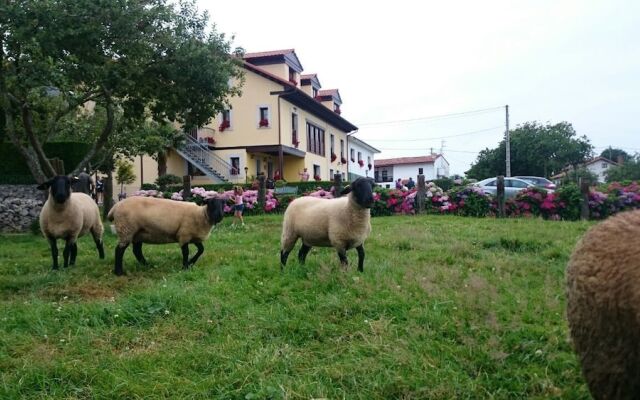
603 306
343 223
77 216
151 220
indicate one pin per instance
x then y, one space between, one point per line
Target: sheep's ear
346 190
45 185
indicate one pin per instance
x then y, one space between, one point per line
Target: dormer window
292 76
315 92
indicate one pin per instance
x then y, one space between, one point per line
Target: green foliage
154 60
165 181
14 170
443 183
124 173
574 176
629 170
614 154
538 150
447 308
570 195
149 186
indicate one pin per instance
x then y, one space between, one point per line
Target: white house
597 166
387 171
360 158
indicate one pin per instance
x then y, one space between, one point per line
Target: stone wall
20 205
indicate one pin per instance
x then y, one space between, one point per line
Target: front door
258 165
270 169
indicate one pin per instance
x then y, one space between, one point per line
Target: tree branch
53 121
27 120
104 136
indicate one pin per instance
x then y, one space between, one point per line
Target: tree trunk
162 163
107 202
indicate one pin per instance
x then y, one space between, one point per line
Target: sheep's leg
302 253
360 250
99 244
287 245
120 248
137 251
342 254
74 253
66 253
54 251
198 254
185 255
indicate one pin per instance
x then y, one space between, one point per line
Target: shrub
165 180
470 201
149 186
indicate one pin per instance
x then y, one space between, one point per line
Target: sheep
67 215
603 306
342 223
140 220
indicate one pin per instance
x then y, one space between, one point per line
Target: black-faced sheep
140 220
66 215
343 223
603 306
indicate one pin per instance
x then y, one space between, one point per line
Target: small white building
387 171
360 158
597 166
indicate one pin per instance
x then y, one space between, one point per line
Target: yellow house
281 124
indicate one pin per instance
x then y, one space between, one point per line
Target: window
331 174
369 160
225 120
514 183
315 92
605 165
353 155
263 117
420 171
294 129
341 148
336 108
384 175
377 176
315 139
332 143
316 171
235 165
359 156
292 76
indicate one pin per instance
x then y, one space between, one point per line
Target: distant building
387 171
360 158
597 166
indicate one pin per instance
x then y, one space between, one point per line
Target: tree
538 150
613 154
629 170
124 174
141 59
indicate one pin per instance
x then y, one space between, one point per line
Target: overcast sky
550 61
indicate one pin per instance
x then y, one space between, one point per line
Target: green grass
447 307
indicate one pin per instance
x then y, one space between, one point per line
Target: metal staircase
206 161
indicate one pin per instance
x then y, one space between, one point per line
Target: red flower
333 157
337 111
361 163
224 125
264 122
344 160
211 140
317 178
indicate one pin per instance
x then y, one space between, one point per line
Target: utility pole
507 142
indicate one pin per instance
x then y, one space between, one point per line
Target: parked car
540 182
511 186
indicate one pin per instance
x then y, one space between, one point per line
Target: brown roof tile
268 53
406 160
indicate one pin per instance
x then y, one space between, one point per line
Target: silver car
511 186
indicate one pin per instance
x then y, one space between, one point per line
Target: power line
413 148
431 117
435 138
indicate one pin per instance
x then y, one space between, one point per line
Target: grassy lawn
447 307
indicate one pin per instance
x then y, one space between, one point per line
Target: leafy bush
470 201
149 186
165 180
444 183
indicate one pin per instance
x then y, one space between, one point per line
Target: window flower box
370 166
361 163
333 157
211 140
263 122
343 160
224 125
317 178
337 111
293 81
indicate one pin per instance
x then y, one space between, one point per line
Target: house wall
598 168
280 70
405 171
441 168
354 167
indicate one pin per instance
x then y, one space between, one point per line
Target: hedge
14 169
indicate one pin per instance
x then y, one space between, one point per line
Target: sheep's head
59 187
362 189
215 210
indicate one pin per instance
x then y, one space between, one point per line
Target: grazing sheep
603 306
140 220
66 215
342 223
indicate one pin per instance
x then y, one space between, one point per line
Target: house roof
330 94
600 159
310 79
407 160
288 56
299 98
